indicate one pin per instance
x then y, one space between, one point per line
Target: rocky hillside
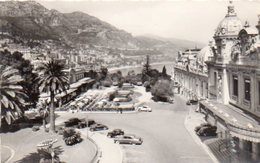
29 19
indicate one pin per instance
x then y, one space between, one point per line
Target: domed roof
230 25
204 54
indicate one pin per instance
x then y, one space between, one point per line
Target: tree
162 89
147 66
119 73
164 71
131 73
25 69
11 94
52 80
104 72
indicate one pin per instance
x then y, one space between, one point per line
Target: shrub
71 137
107 83
60 130
35 128
162 89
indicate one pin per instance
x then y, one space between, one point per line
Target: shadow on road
36 157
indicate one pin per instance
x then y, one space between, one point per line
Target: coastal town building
78 83
230 69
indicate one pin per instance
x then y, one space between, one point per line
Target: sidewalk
108 151
193 120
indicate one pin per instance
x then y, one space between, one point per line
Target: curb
100 112
12 153
98 153
198 141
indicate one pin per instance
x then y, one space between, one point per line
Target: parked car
207 131
144 108
192 102
139 83
170 100
75 122
115 132
128 139
98 127
115 83
90 122
202 125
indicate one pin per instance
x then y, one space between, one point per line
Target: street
166 139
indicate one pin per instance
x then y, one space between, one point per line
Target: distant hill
182 44
31 20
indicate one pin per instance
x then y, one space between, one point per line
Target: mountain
31 20
182 44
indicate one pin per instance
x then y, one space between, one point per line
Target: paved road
165 138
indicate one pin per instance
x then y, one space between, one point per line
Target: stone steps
222 151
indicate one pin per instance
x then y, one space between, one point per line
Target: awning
81 82
77 84
244 137
66 93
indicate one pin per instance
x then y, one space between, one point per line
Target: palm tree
52 80
11 94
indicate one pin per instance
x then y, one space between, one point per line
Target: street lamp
87 125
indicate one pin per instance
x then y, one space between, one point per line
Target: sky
194 20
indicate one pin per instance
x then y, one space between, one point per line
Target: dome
230 25
204 55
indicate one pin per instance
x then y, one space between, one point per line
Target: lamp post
87 125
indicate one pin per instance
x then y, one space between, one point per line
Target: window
235 85
215 78
247 89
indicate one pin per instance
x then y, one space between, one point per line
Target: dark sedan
115 132
192 102
75 122
207 131
202 125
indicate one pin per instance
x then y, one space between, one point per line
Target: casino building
226 74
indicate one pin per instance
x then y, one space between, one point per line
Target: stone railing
192 70
250 132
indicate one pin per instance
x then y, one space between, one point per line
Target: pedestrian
121 110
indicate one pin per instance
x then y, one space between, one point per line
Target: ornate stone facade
191 72
230 69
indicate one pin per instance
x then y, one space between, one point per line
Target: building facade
190 72
230 70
